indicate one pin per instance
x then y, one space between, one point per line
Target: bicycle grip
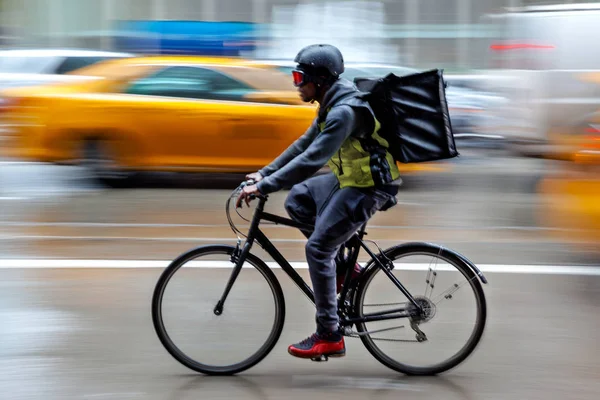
248 182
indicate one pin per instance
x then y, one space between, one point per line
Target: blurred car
469 113
28 67
570 192
536 60
156 113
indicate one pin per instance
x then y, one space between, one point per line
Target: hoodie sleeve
292 151
338 126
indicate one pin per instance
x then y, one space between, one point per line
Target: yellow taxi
570 192
161 113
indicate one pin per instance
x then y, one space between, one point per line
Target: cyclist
344 135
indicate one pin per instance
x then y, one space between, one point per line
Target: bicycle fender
469 263
474 267
414 246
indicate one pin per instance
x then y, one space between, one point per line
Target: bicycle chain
354 335
384 304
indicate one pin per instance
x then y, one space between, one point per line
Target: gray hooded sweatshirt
309 153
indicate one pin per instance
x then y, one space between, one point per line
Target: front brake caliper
235 256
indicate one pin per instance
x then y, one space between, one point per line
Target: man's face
307 92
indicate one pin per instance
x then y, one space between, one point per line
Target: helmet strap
320 84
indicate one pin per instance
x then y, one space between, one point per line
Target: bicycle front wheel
238 338
448 291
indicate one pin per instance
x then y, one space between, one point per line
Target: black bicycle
198 288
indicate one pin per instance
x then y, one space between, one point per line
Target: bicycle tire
181 357
422 248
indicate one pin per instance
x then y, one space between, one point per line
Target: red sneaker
340 278
317 345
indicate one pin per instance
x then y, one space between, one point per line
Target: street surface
78 264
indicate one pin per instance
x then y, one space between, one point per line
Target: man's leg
333 227
307 199
341 217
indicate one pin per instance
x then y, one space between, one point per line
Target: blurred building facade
419 33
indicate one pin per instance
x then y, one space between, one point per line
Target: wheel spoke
447 294
205 337
438 340
430 280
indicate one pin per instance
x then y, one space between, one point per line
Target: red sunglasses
299 77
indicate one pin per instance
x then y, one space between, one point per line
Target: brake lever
248 182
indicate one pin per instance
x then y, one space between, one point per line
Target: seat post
361 232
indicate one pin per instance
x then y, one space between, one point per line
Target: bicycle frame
255 234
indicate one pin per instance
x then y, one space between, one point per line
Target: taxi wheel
102 167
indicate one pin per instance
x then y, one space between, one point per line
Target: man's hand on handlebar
248 193
255 176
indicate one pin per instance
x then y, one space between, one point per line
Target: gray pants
337 214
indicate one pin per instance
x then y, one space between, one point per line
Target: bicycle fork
238 257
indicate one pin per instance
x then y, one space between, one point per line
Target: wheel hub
428 309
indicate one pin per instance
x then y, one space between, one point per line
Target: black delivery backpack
413 114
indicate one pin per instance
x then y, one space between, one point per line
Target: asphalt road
72 330
87 334
487 208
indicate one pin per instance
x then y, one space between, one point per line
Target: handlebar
232 196
251 182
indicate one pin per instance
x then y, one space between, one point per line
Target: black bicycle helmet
323 57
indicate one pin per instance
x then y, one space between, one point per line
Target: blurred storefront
420 33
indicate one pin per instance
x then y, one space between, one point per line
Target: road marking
264 225
592 270
141 239
20 163
9 238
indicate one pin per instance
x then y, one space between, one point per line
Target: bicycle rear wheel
184 319
449 292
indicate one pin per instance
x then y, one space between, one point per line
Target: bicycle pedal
321 358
